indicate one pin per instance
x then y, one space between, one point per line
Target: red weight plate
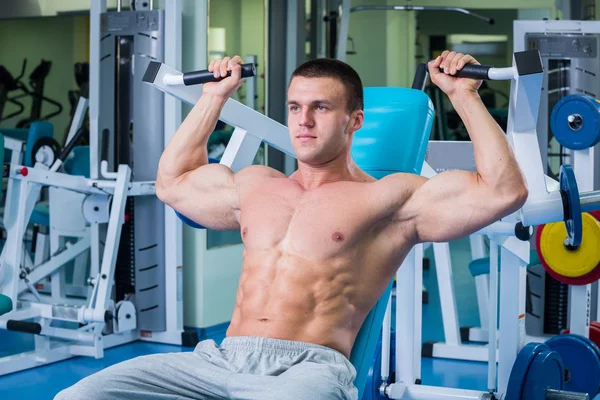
595 333
582 280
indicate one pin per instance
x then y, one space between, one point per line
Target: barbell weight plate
50 144
594 328
596 214
581 357
568 186
546 372
519 371
582 130
584 280
571 263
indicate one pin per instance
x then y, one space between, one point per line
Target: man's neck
339 169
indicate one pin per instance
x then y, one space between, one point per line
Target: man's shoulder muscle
254 172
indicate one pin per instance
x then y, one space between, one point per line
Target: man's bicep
451 205
207 195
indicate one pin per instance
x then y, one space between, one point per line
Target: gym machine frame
584 170
542 206
105 202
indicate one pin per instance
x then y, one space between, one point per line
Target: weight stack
556 306
547 303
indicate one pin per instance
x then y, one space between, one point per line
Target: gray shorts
241 368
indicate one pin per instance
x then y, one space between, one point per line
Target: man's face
320 124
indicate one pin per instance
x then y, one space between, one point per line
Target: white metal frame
26 189
583 160
584 169
91 339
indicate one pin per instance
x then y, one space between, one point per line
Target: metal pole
424 8
590 201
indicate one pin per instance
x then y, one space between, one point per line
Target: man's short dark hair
332 68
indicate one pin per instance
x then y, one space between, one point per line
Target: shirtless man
321 245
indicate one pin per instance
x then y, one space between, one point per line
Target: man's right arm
205 193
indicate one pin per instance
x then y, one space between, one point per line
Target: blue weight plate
520 368
574 223
587 133
545 372
581 359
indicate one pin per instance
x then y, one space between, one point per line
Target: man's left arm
454 204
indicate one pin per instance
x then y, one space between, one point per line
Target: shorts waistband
275 346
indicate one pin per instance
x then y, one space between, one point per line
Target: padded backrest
394 138
5 304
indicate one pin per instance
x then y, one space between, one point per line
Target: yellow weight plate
576 263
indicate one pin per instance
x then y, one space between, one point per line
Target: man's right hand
229 84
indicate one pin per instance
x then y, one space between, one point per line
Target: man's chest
316 225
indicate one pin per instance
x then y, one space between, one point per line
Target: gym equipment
194 77
595 333
382 105
128 250
340 49
573 266
539 374
82 78
570 69
141 270
536 369
36 81
581 358
8 84
571 203
526 72
5 301
575 122
568 50
45 151
453 155
374 377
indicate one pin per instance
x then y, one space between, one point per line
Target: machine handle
205 76
420 79
24 326
473 71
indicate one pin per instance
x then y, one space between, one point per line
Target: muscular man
320 246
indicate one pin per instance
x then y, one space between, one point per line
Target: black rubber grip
67 149
23 326
473 71
522 232
421 76
205 76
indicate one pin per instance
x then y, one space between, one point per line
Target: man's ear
357 118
